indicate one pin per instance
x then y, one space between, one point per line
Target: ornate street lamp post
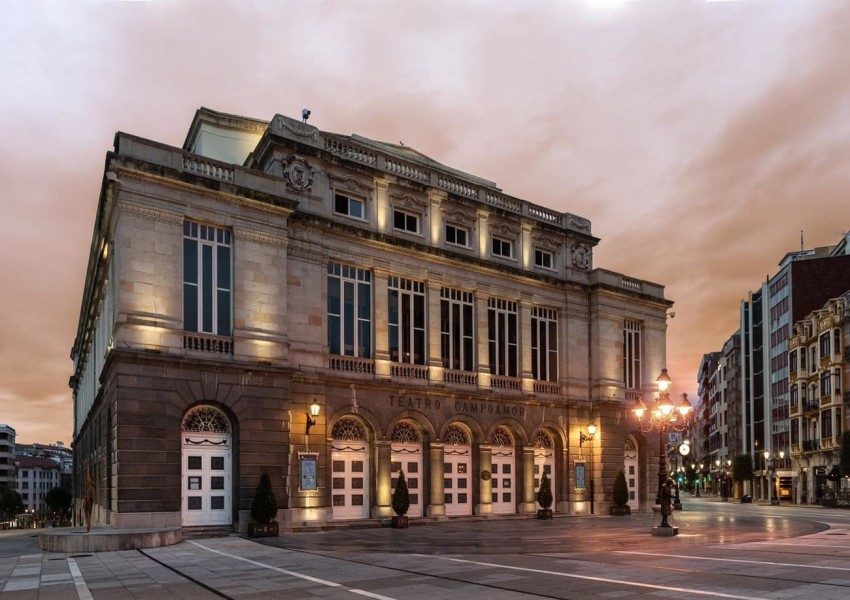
771 472
664 416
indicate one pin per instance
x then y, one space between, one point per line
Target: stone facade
412 303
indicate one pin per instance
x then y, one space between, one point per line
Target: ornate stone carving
581 256
298 173
152 214
304 131
458 216
408 201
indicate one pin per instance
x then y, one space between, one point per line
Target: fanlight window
406 433
502 437
206 418
543 440
456 436
348 429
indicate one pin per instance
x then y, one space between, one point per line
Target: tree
11 502
742 468
264 506
544 494
58 500
620 494
401 496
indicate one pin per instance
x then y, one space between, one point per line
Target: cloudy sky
699 137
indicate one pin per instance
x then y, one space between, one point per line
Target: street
724 550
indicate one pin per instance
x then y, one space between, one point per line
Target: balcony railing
206 343
547 387
460 377
811 445
409 371
501 382
350 364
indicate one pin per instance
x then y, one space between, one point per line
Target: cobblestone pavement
723 551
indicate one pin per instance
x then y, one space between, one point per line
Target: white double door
630 467
408 458
206 496
457 480
503 481
350 482
544 462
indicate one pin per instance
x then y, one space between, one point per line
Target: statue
88 498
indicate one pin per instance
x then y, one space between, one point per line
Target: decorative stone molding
579 223
298 173
305 131
504 230
152 214
261 239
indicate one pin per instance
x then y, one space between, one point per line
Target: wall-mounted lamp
312 416
586 437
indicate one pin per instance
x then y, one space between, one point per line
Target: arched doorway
407 457
630 468
504 468
544 462
457 469
207 468
349 470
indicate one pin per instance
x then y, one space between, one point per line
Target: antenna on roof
801 240
305 114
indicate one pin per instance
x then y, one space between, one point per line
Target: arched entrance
457 469
504 467
630 468
544 462
407 457
207 468
349 470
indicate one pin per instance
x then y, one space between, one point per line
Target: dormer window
457 235
544 259
349 206
502 247
406 221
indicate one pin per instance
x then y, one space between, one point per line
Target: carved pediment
349 182
542 241
408 201
458 216
504 230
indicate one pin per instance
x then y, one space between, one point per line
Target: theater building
435 324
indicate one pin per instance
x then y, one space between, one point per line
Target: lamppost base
665 531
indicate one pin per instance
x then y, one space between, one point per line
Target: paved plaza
725 550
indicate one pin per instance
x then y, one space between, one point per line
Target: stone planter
400 522
544 513
263 529
620 511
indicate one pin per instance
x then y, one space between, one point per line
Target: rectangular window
503 336
544 259
457 235
544 344
795 431
836 381
631 355
825 383
502 247
207 279
792 360
349 206
349 311
836 341
803 359
824 345
826 424
406 320
405 221
456 330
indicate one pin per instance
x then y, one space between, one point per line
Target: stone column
382 335
382 508
482 340
528 504
435 352
485 493
525 346
436 507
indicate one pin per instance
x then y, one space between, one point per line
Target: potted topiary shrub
401 502
264 510
544 498
620 496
